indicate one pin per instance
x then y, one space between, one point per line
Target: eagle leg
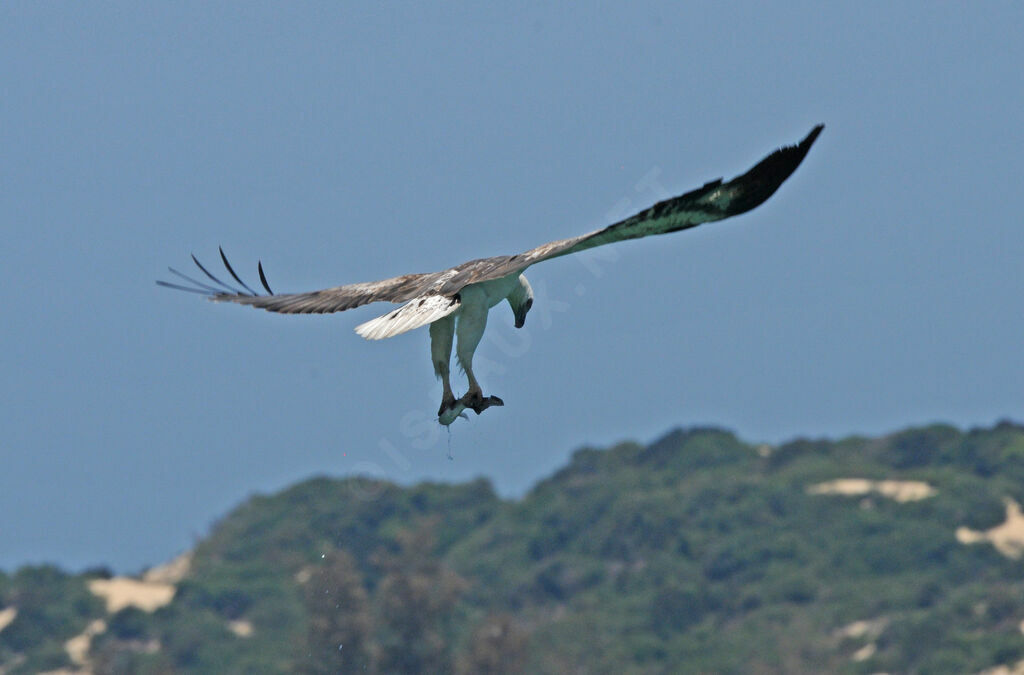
441 333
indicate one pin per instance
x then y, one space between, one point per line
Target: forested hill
696 553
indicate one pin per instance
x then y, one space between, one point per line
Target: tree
338 638
414 602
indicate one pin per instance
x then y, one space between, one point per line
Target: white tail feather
418 312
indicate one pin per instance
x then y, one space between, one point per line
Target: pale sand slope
78 646
240 627
7 616
867 630
121 592
900 490
153 591
1008 538
863 629
170 572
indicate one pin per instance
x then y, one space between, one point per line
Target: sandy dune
170 572
78 646
121 592
900 490
867 630
870 629
154 590
241 628
1008 538
7 616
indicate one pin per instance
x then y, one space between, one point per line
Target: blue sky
880 287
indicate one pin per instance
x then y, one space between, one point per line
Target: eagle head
521 300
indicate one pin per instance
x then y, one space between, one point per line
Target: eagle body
455 302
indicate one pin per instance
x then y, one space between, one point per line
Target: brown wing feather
336 299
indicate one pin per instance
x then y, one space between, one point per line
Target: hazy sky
880 287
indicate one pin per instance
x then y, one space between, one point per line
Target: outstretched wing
336 299
714 201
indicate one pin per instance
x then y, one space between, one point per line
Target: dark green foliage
918 447
52 607
697 553
130 623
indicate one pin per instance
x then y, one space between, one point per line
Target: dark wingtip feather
761 182
215 279
232 272
263 277
811 137
793 155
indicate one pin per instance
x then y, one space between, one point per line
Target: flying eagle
455 302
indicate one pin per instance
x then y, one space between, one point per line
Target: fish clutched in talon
446 416
452 410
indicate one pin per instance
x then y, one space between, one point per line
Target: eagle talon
452 409
479 403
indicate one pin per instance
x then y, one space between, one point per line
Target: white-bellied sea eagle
455 302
